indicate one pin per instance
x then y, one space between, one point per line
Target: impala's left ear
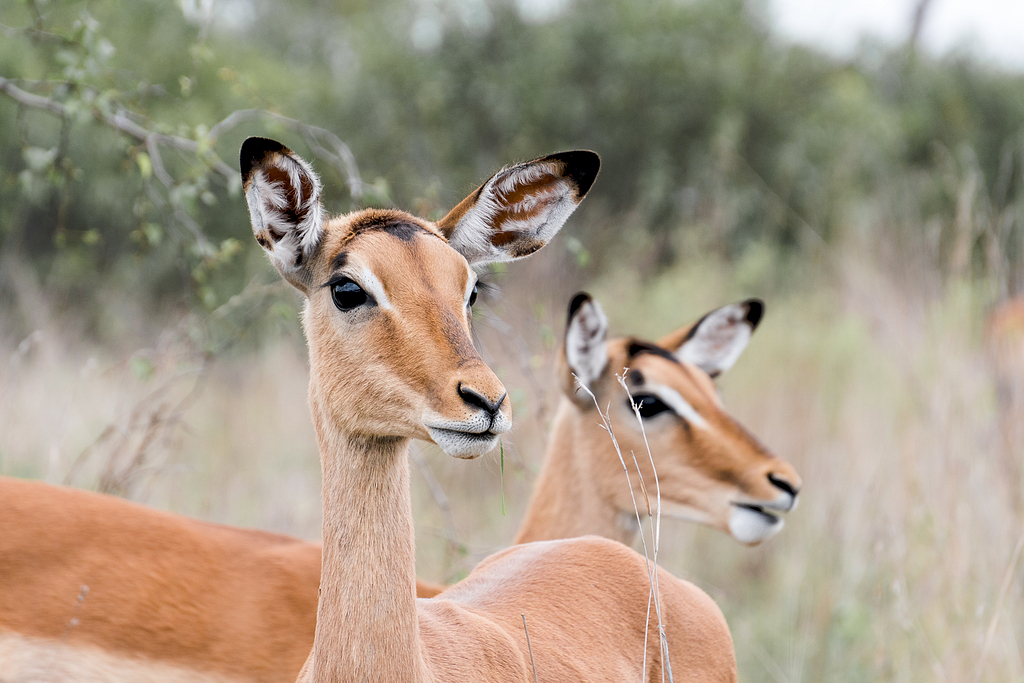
584 353
283 194
715 342
519 209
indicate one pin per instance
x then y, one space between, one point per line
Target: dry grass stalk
652 567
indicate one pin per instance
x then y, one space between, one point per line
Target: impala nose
478 400
786 486
781 483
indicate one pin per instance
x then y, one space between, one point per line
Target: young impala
387 314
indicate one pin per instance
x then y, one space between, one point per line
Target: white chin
463 444
753 526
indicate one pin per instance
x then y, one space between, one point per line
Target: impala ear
585 350
283 194
715 342
519 209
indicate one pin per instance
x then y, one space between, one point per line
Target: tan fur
33 660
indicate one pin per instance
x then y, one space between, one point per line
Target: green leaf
39 159
145 164
141 367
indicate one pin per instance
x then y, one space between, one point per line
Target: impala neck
367 626
568 497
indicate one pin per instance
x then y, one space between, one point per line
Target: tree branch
323 142
118 121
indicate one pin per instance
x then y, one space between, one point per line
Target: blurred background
860 169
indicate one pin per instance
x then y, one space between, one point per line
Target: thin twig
119 121
73 622
655 525
323 142
655 593
530 648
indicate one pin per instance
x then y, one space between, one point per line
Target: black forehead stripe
636 347
403 230
339 261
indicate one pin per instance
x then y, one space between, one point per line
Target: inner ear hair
520 208
283 195
716 341
586 350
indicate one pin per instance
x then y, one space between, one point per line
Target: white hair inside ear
585 347
718 339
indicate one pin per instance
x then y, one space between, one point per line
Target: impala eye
649 405
472 295
348 295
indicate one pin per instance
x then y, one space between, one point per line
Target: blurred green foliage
705 121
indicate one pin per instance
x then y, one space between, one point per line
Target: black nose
781 483
478 400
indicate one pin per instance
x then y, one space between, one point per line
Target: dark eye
472 296
347 295
649 405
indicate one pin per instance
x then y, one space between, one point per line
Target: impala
387 321
710 470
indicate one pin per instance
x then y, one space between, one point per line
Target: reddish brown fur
162 587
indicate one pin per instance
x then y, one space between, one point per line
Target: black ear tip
577 301
254 151
755 311
581 166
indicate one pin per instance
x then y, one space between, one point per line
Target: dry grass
899 564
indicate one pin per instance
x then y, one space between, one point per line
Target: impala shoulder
708 653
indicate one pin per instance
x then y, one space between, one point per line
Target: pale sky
992 29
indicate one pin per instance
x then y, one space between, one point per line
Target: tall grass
869 374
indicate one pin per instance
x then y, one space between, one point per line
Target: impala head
710 469
389 295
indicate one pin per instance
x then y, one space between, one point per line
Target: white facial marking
471 280
466 438
585 347
750 526
720 338
373 287
674 400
